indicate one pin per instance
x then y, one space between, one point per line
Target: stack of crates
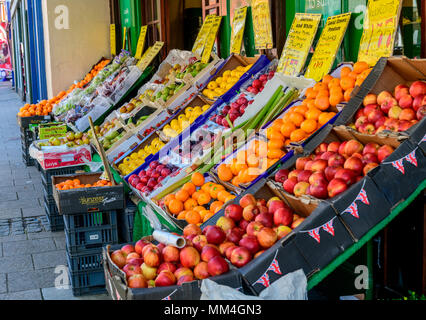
55 220
89 225
27 138
126 219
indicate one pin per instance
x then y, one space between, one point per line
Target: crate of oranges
86 192
196 201
249 163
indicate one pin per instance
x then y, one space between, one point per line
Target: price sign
141 42
202 35
327 46
112 40
211 38
262 24
380 25
150 55
238 25
124 37
298 43
47 131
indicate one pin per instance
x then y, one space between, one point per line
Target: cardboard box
128 142
92 199
64 157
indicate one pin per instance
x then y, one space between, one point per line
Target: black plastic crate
90 231
86 273
126 219
55 220
48 174
48 196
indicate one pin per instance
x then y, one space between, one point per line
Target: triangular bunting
263 280
353 210
275 267
411 158
362 196
397 164
329 227
314 233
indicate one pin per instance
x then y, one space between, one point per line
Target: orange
189 187
323 93
263 149
311 93
319 86
347 83
241 166
298 135
222 195
275 153
322 103
327 78
309 126
335 99
313 113
193 217
359 82
360 66
347 94
204 213
175 206
287 128
235 181
272 133
344 72
182 215
277 124
197 179
196 194
274 144
190 204
365 73
182 195
311 103
241 157
253 160
199 208
325 117
353 75
229 198
216 204
207 186
204 198
270 162
215 190
297 118
224 173
301 109
208 216
333 83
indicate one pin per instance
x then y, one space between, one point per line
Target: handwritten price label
327 46
262 24
141 42
211 39
150 55
112 40
199 44
238 25
298 43
380 25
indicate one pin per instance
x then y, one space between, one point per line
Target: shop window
153 15
217 7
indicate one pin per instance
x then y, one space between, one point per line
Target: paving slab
40 235
13 238
28 280
16 263
28 247
10 213
23 295
66 294
49 259
35 211
3 283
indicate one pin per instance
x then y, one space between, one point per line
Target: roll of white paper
169 239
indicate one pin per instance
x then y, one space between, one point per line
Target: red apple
353 146
234 235
253 228
333 146
189 257
392 124
370 98
170 254
281 175
368 167
183 271
300 163
250 243
383 96
361 121
152 258
384 152
283 216
240 257
243 224
201 271
321 148
369 157
406 101
336 160
421 112
394 112
418 88
228 251
308 165
191 229
317 176
330 172
275 204
355 164
250 212
375 115
224 246
217 266
342 148
367 128
347 175
247 200
289 184
407 115
119 258
267 237
137 281
304 176
388 104
234 211
166 266
319 165
165 279
371 147
282 231
369 109
418 102
300 188
184 279
294 173
209 252
319 189
401 93
130 270
266 219
199 242
297 222
128 248
132 255
215 235
335 187
140 244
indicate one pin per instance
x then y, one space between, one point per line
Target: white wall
71 52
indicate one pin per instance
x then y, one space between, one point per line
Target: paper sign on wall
262 24
112 40
211 38
238 25
141 42
380 25
327 46
150 55
298 43
198 47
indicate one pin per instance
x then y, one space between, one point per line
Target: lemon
182 118
188 111
212 85
207 92
229 86
223 85
134 156
205 107
231 80
240 68
233 73
219 80
226 74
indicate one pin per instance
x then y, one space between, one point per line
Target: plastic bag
292 286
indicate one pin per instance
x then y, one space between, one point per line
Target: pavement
32 258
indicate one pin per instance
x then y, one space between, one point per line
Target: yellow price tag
150 55
141 42
124 37
327 46
380 25
238 25
211 39
112 40
262 24
198 47
298 43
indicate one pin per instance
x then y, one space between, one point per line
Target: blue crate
126 219
90 231
55 220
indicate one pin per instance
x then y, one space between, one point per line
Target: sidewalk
29 251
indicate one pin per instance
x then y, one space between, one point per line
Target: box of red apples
148 270
266 237
391 101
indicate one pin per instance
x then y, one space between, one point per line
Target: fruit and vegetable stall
231 169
